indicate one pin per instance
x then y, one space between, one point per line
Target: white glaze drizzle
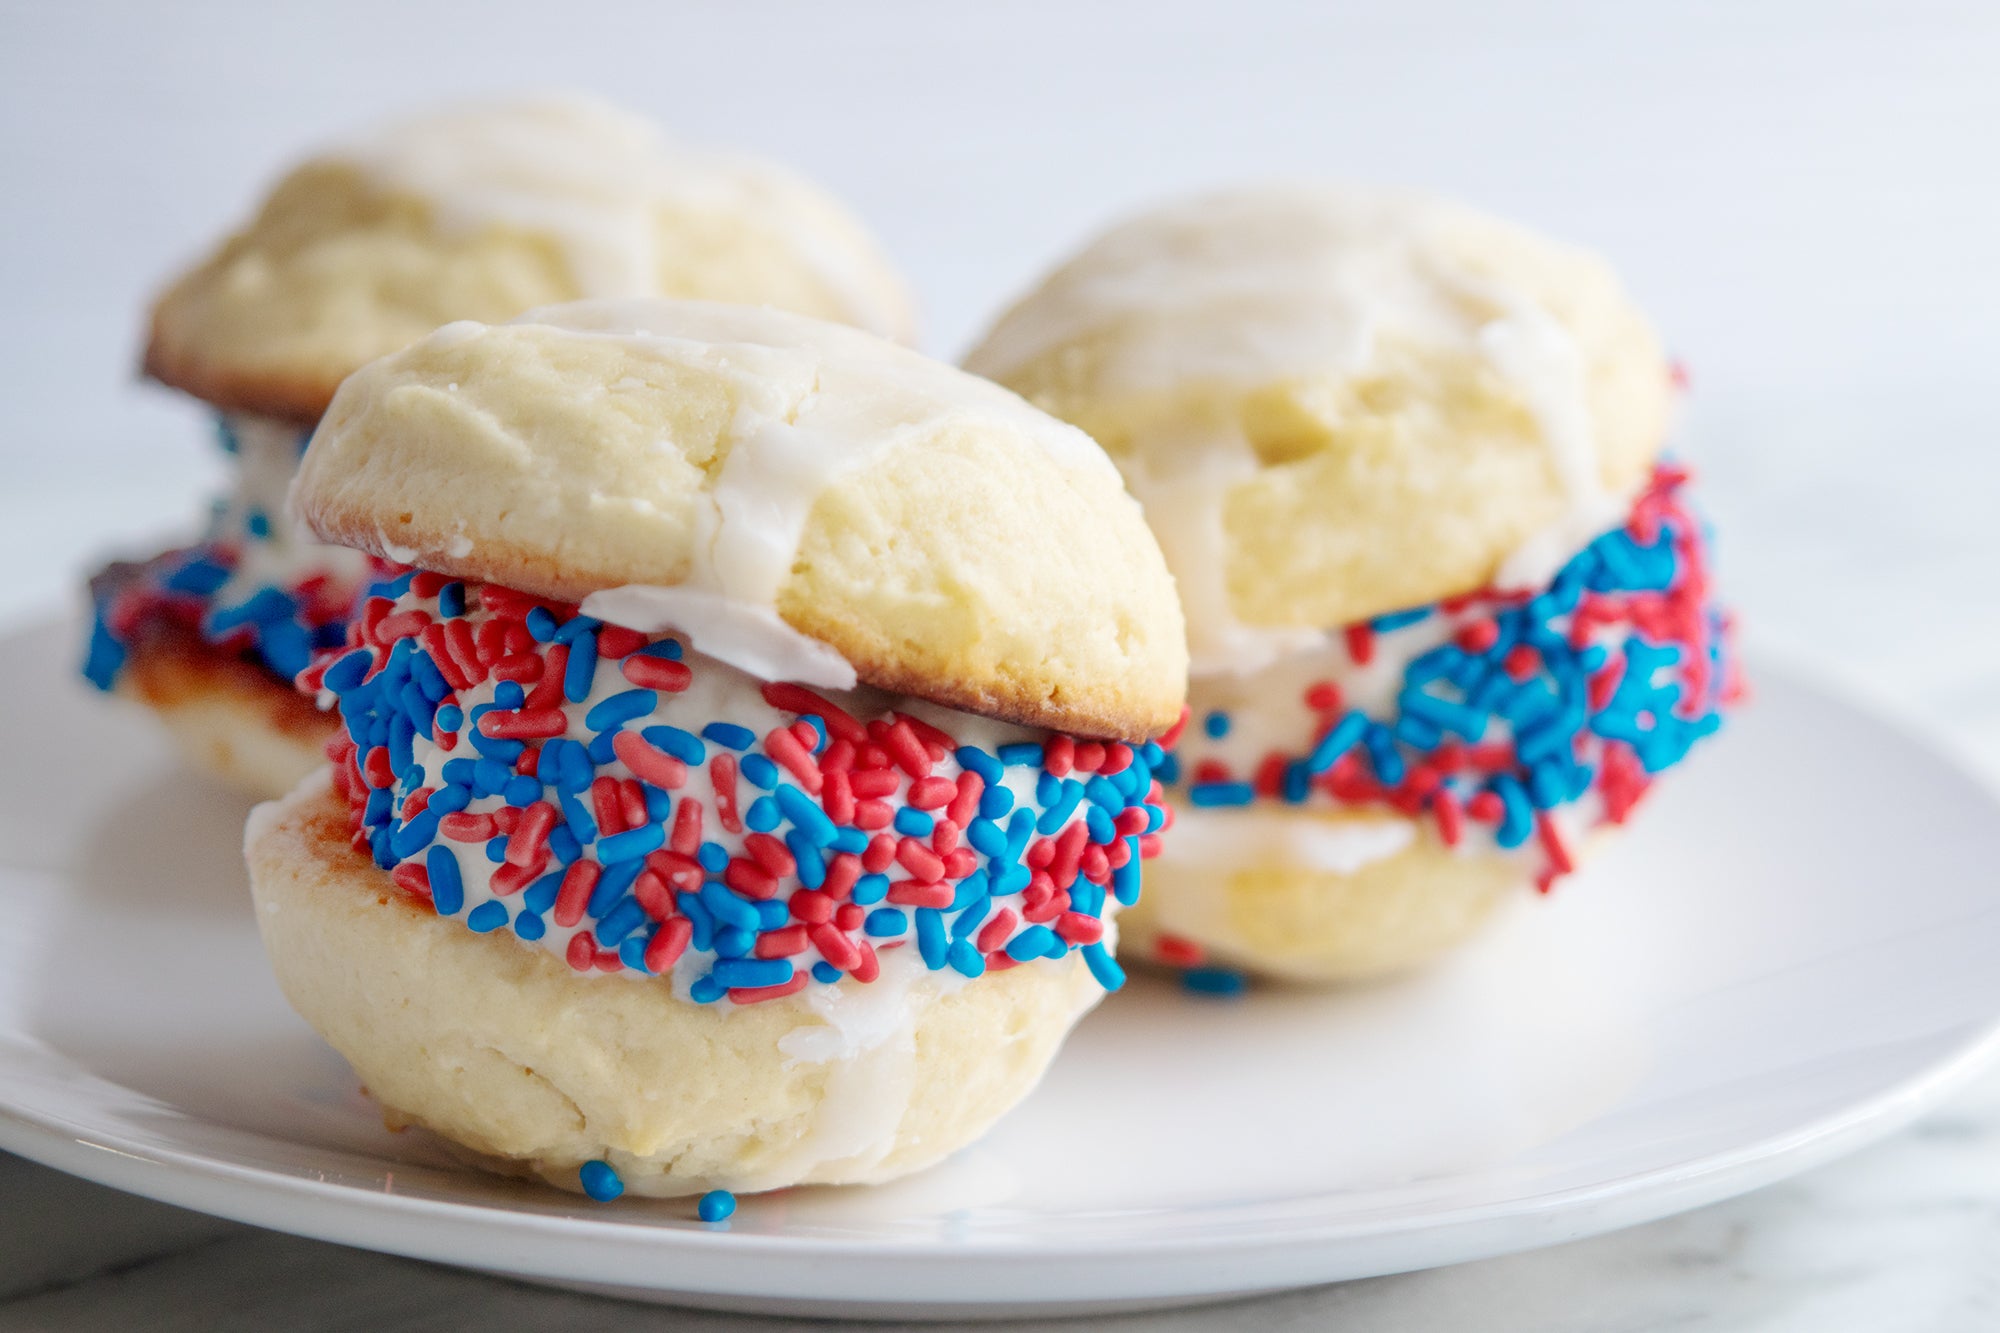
596 178
816 401
1252 287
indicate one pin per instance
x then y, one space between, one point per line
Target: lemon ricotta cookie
743 763
1449 613
474 212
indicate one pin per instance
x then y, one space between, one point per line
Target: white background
1805 195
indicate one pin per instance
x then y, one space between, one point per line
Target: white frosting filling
596 180
283 554
1255 287
1235 839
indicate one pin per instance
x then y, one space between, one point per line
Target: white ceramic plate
1791 955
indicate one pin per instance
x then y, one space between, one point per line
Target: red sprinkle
577 883
798 699
749 878
656 673
919 860
770 853
531 835
781 943
783 746
722 773
686 838
1059 755
1360 643
648 761
669 942
997 930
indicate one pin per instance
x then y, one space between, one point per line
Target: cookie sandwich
1450 614
740 775
474 212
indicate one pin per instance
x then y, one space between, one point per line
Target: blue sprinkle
726 907
667 648
886 921
849 840
447 888
1103 966
772 913
487 916
1169 768
703 938
542 624
971 891
714 857
508 695
451 798
632 952
1517 821
611 886
1048 789
1021 754
1214 981
1384 756
707 990
975 760
603 748
377 808
965 958
1020 829
577 818
758 771
1398 619
530 926
1103 792
522 791
995 802
622 707
914 822
1345 735
577 628
659 802
932 942
619 922
734 942
1216 724
715 1206
600 1182
420 832
1222 793
762 816
870 889
541 895
1099 824
986 837
1033 943
348 671
1125 880
581 670
1058 813
752 973
631 844
682 745
730 736
451 600
805 815
811 862
1293 788
825 973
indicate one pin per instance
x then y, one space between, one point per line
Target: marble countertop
1793 190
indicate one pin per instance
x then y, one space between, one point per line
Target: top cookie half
482 212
